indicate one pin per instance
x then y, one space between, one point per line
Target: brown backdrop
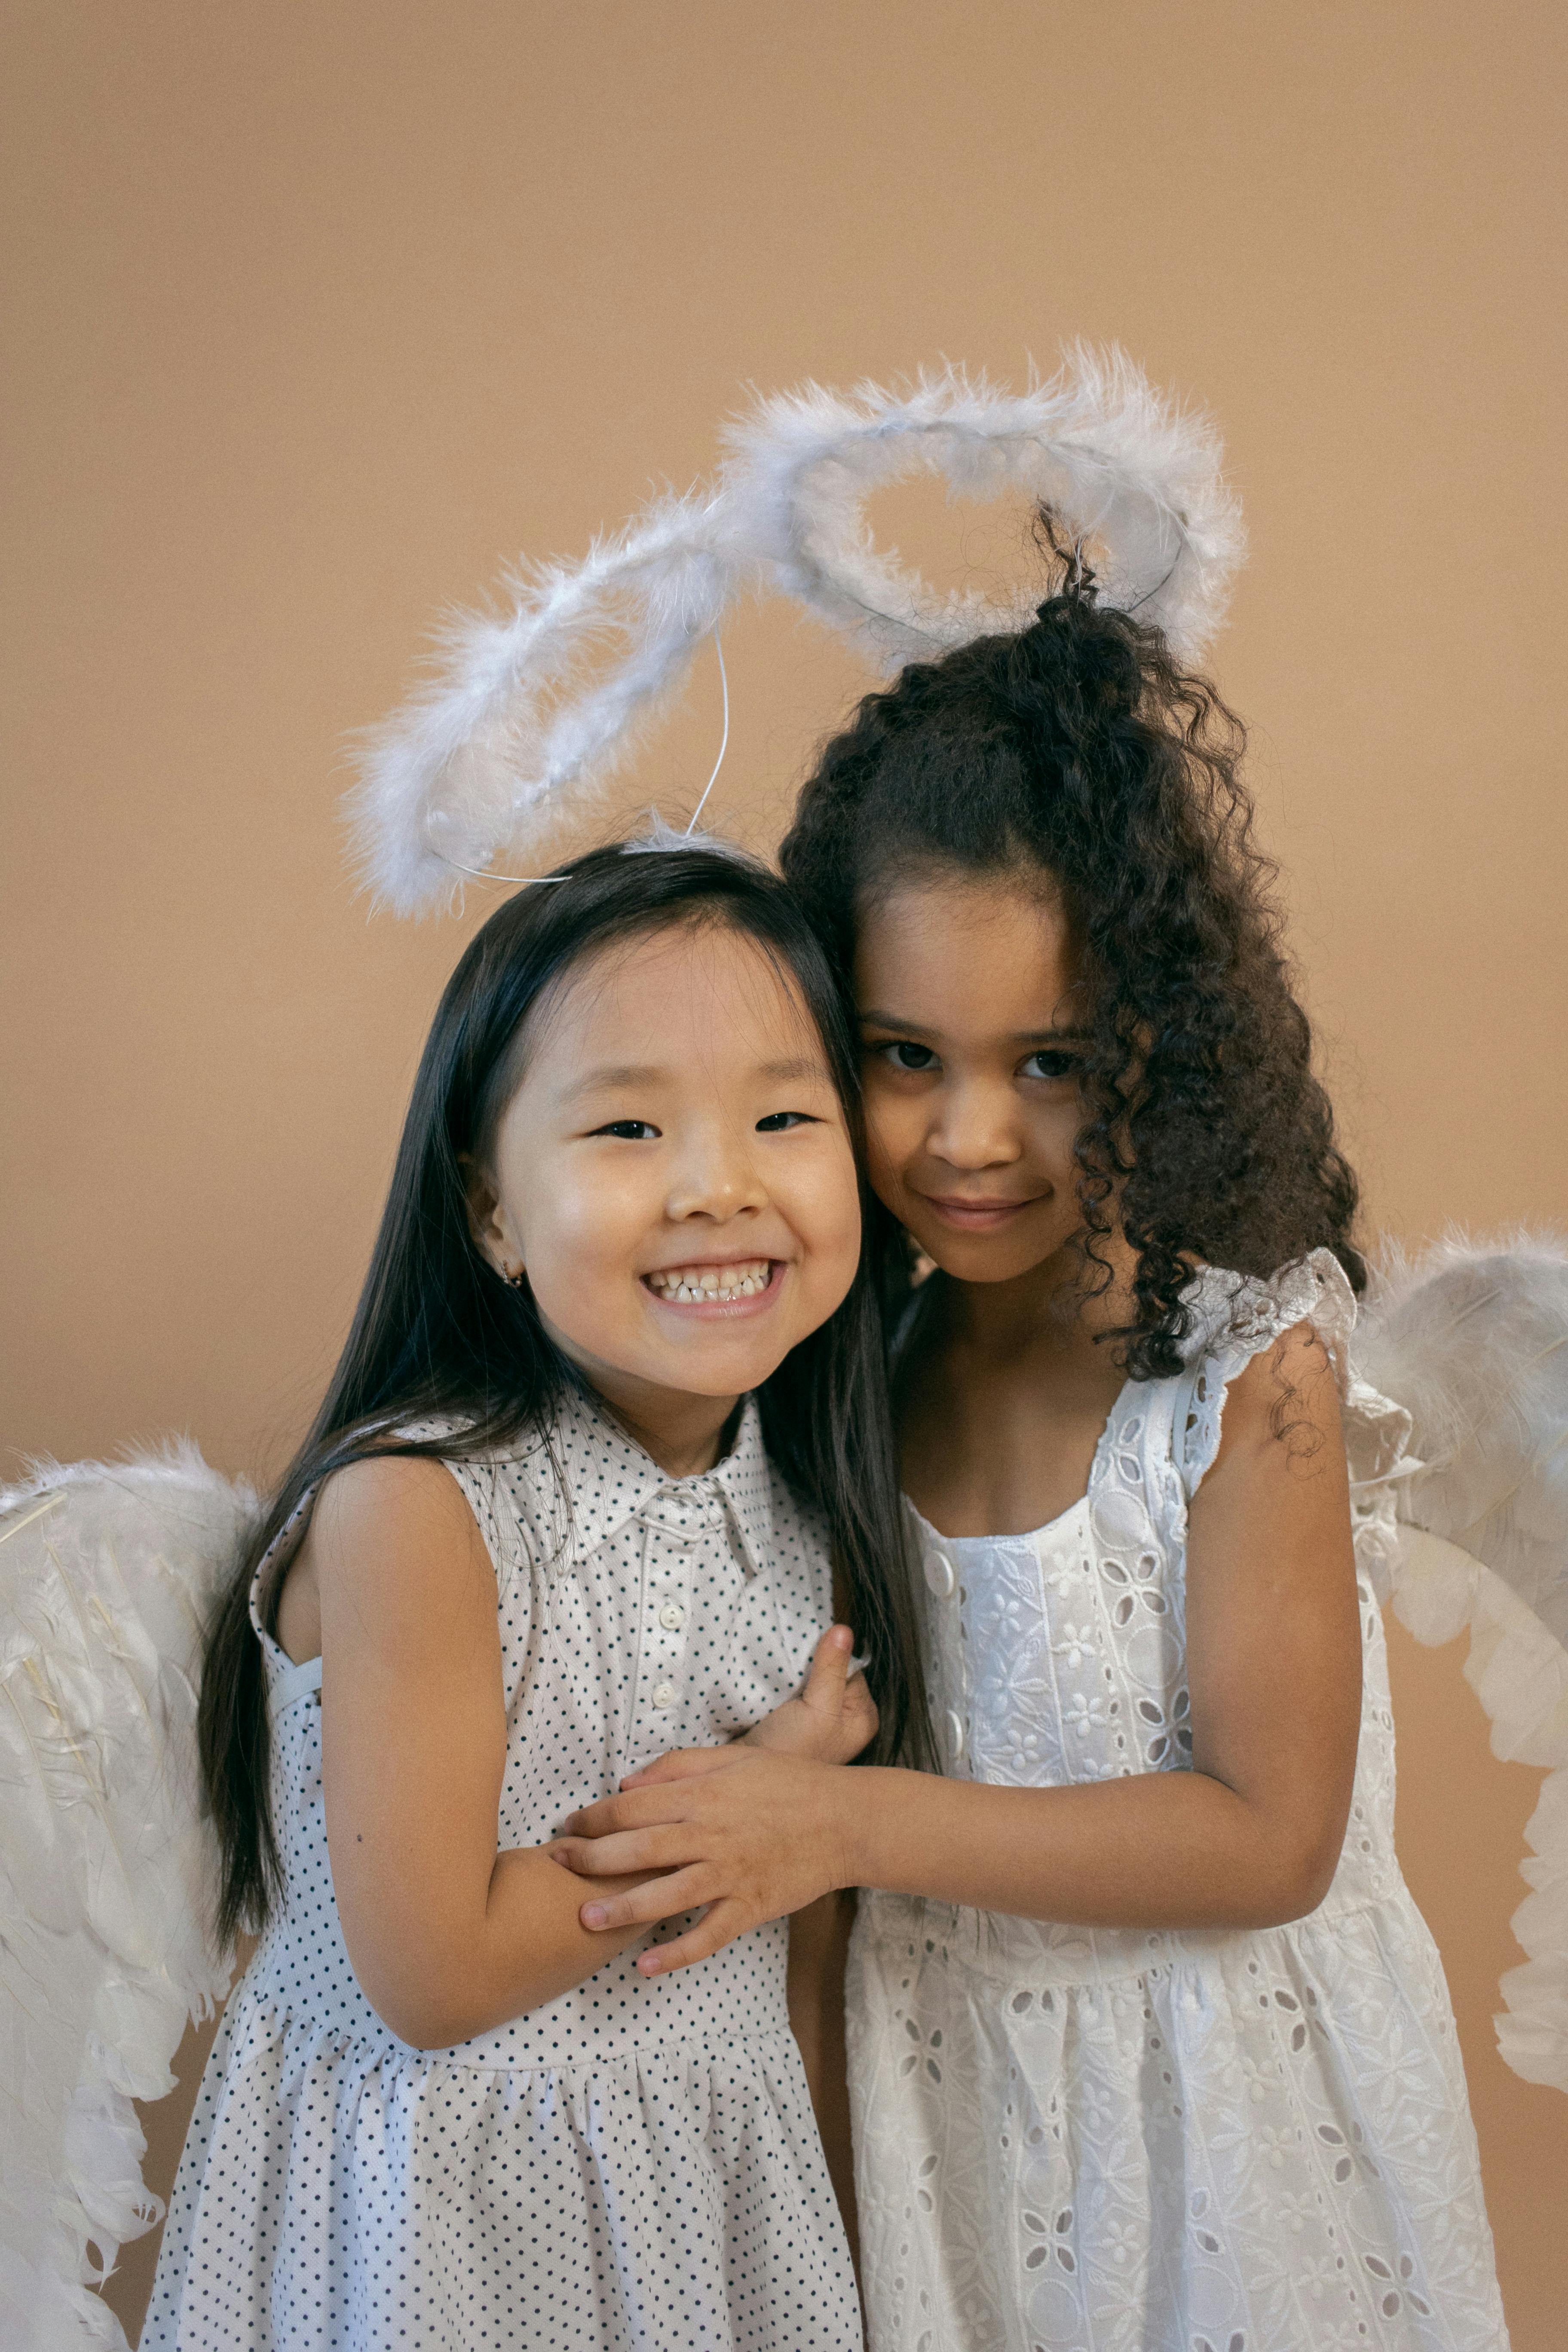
320 308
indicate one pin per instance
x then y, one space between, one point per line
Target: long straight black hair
437 1332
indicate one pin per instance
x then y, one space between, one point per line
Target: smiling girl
1151 2050
612 1394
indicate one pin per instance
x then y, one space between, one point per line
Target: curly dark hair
1080 747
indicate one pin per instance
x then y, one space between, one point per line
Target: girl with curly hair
1150 2048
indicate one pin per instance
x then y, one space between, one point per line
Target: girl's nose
717 1177
975 1127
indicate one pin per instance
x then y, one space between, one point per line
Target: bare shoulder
391 1499
1286 1401
397 1529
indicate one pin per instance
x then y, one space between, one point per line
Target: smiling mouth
977 1216
715 1286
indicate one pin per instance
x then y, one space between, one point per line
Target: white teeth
711 1285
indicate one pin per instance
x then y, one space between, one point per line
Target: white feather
479 759
1097 443
1472 1340
498 735
107 1868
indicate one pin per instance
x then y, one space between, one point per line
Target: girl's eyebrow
614 1074
792 1072
872 1020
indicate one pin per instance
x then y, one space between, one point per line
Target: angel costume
1076 2140
633 2164
1218 2143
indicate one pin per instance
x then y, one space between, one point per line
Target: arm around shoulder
1249 1838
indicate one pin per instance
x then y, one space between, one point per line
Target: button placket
943 1583
674 1528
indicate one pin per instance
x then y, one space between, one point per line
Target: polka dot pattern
634 2165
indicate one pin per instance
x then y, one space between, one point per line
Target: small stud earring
514 1277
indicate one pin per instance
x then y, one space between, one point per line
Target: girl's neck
1003 1397
684 1434
1057 1309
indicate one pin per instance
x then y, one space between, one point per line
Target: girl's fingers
613 1813
724 1922
661 1898
647 1805
667 1847
829 1671
681 1764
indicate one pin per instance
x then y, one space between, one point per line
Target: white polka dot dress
635 2165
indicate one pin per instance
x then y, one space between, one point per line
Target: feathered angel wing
106 1867
1473 1342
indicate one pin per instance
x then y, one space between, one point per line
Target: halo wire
488 874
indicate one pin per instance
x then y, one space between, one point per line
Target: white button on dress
939 1575
634 2165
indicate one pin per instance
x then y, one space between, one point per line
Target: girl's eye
778 1122
903 1054
629 1130
1051 1061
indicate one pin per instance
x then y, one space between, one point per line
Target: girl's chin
995 1257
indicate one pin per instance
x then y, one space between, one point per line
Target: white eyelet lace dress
636 2164
1087 2141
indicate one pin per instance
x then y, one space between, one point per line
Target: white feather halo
1097 444
479 760
453 778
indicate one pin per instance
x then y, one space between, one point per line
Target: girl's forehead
962 935
709 977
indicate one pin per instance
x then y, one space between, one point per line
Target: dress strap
296 1682
1238 1317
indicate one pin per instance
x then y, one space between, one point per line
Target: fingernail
594 1915
842 1637
649 1964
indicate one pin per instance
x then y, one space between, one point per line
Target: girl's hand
751 1836
835 1716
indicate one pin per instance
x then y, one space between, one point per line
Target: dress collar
610 1480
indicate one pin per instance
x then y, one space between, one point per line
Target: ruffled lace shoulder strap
1235 1316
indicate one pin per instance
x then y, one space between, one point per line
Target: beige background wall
317 311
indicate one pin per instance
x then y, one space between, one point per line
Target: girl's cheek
886 1155
828 1224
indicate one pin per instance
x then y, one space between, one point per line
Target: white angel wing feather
1472 1340
106 1867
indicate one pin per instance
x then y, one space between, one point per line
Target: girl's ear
490 1224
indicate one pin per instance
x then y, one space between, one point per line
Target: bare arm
446 1937
1249 1837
